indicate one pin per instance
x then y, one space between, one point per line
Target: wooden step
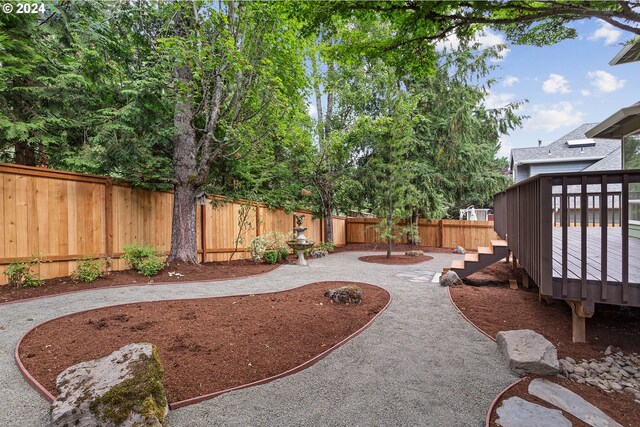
501 243
485 250
457 264
471 257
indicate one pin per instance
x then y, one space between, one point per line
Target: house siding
560 167
522 172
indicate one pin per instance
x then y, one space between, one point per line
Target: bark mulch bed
186 273
206 345
495 307
395 259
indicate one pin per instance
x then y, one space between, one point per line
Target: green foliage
89 269
271 257
143 258
150 266
283 253
20 275
272 241
325 246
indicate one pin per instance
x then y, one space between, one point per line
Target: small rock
318 253
345 295
566 366
459 250
579 370
570 360
414 253
624 373
607 351
614 385
630 370
450 279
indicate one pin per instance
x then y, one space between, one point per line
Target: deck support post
580 310
515 262
508 257
525 279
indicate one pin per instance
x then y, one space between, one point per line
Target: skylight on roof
581 142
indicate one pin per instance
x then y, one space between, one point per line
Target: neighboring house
574 152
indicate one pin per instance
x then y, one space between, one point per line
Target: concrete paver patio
420 363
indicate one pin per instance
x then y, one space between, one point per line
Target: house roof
559 150
629 53
623 122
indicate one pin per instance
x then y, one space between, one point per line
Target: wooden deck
614 249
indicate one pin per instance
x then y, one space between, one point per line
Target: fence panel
339 231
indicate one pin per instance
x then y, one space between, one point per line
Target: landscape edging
50 398
498 397
466 318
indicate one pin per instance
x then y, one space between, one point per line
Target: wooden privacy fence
441 233
62 216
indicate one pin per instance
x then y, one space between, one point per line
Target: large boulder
122 389
345 295
528 352
450 278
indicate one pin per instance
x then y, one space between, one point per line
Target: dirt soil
206 345
396 247
493 307
185 273
395 259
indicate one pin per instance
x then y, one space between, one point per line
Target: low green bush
327 246
150 266
20 274
284 252
143 258
88 270
271 256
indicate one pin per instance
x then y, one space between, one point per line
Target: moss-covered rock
345 295
122 389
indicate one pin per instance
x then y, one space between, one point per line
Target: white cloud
604 81
556 84
607 32
585 92
313 111
498 100
510 81
485 39
553 117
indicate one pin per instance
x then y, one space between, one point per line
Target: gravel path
420 363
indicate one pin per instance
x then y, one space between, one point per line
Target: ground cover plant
19 274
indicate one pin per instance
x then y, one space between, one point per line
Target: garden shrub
284 253
325 246
143 258
20 274
88 270
271 256
272 241
150 266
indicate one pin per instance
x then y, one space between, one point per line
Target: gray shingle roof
560 150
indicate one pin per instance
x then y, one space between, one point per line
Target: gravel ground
420 363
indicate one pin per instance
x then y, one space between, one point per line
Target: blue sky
566 84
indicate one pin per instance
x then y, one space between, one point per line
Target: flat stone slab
517 412
570 402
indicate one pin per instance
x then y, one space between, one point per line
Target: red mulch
189 272
395 259
206 345
495 308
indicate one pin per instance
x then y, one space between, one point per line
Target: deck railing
573 208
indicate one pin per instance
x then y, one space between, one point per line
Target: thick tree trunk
327 214
183 226
24 155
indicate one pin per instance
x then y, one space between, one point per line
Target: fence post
257 220
440 234
203 231
108 217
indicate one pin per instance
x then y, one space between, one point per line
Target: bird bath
300 244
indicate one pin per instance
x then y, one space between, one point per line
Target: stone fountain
300 244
